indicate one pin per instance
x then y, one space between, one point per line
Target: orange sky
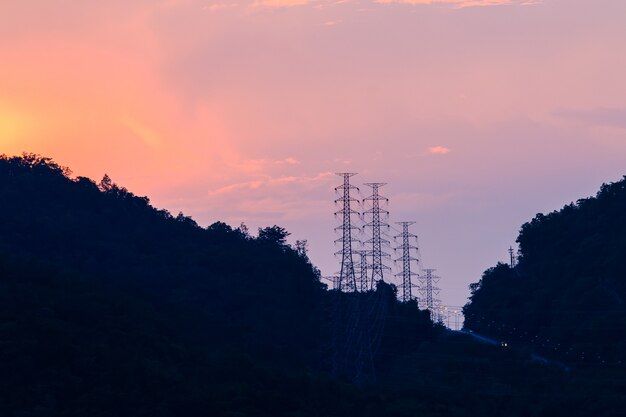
478 113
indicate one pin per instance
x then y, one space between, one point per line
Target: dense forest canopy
111 307
566 296
105 299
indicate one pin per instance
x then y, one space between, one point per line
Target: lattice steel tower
362 278
407 259
347 276
377 242
429 290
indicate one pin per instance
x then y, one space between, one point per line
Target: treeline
566 297
110 307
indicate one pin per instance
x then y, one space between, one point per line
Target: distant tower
362 278
512 256
376 223
333 279
407 259
429 292
454 317
357 319
347 276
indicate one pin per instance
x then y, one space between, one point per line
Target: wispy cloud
258 166
249 166
248 185
147 135
332 22
271 182
215 7
288 161
281 3
460 4
600 116
320 4
272 198
439 150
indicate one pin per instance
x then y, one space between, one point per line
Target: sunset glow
243 111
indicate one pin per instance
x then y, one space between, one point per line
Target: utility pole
512 256
407 259
377 216
347 276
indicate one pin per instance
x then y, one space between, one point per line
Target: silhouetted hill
110 307
566 297
108 301
105 234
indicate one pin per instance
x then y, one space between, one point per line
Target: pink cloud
248 185
219 6
268 181
457 4
288 161
258 166
439 150
281 3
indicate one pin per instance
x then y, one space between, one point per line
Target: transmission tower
362 278
512 256
358 316
377 242
333 279
407 259
453 317
347 276
429 292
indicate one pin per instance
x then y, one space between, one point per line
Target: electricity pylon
362 278
377 216
407 274
429 292
347 276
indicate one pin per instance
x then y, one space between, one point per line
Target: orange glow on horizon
13 127
241 110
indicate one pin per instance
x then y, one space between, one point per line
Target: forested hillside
566 297
110 307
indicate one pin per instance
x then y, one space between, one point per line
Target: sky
478 114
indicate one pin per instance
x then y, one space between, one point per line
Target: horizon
477 114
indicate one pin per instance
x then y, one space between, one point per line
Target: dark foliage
110 307
566 298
